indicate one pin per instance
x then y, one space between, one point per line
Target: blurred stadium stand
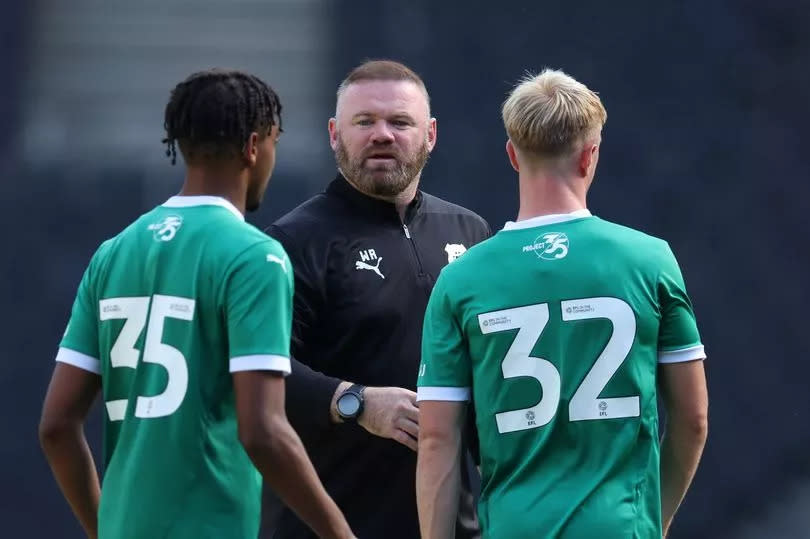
100 72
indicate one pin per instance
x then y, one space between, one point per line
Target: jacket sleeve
308 392
309 395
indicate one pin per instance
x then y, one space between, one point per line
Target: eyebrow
398 114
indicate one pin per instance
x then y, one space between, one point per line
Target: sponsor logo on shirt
166 229
496 321
578 309
366 257
280 261
180 307
549 246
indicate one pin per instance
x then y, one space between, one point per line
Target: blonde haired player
562 329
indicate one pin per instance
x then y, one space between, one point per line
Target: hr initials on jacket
366 257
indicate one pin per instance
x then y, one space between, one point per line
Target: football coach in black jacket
366 253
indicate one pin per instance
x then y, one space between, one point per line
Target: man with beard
366 253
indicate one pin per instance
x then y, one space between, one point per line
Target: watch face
348 404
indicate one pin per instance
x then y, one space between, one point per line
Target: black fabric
352 323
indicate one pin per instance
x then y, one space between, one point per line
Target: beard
383 183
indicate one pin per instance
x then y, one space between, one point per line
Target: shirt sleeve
445 373
258 308
79 346
678 336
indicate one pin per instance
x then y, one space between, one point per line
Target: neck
404 199
220 181
548 194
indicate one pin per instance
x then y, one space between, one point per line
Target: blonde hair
549 114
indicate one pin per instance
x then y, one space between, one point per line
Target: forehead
381 97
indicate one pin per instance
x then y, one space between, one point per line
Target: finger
405 439
409 426
410 411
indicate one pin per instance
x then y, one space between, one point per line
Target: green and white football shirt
554 328
166 311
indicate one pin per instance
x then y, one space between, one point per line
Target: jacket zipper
413 247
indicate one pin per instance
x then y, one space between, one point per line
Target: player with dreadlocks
182 322
224 122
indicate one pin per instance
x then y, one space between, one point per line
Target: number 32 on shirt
530 321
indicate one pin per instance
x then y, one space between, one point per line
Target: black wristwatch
350 403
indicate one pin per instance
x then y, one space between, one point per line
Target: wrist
333 412
350 403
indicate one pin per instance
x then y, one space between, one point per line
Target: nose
382 134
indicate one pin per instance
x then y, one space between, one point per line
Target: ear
587 158
332 126
510 151
432 133
251 152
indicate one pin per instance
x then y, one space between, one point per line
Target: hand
391 412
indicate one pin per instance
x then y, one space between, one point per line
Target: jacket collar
371 206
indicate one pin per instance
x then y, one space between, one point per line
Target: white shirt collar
179 201
543 220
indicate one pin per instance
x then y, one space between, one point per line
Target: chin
380 170
254 200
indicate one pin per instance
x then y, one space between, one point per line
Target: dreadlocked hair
211 114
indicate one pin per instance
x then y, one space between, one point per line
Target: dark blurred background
708 107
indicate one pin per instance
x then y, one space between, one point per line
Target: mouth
381 155
382 159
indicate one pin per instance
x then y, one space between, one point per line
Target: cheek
355 143
267 160
411 141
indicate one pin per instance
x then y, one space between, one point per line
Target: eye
401 123
363 121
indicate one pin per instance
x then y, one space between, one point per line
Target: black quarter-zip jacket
363 277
